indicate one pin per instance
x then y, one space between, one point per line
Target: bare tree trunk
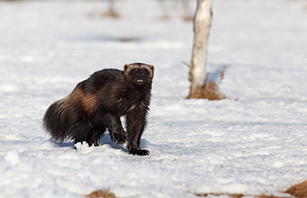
202 24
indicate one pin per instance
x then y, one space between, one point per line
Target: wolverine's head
139 73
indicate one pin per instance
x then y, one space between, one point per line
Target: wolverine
97 104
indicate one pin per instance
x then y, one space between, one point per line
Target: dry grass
164 17
126 39
210 91
216 194
111 13
298 191
187 18
239 195
105 193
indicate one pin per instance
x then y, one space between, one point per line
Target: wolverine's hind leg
89 135
94 136
116 129
114 126
93 139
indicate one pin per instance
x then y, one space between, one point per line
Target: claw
119 138
140 152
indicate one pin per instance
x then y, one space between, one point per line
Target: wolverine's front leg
136 122
116 129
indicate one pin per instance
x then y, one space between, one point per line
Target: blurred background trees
168 5
111 11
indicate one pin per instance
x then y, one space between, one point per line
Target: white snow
255 145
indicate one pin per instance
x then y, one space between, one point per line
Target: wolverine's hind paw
119 138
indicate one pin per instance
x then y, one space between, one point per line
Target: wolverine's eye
134 72
145 72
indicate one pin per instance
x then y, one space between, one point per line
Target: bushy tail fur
70 119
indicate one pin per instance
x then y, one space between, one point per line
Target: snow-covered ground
256 144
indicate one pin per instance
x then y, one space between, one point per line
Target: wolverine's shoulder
107 73
103 78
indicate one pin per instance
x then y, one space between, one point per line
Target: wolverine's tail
73 118
55 120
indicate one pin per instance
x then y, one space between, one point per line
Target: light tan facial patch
150 68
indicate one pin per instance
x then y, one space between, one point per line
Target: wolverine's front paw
119 137
138 151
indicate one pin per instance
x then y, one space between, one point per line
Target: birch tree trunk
202 24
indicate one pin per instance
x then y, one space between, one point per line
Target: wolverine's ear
126 66
152 68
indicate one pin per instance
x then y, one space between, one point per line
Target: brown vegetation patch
298 191
239 195
187 18
210 91
111 14
164 17
105 193
127 39
216 194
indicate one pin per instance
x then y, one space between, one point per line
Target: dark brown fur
96 104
